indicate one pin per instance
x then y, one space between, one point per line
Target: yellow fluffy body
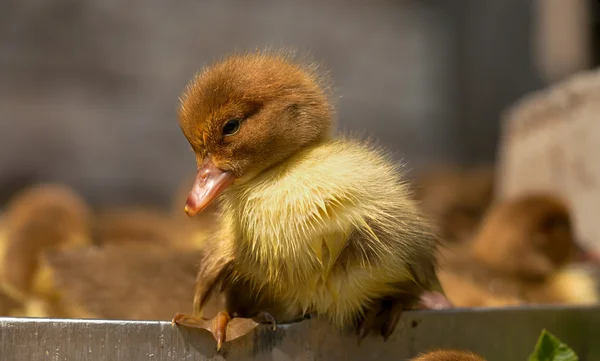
573 286
289 226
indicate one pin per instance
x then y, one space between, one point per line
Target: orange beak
210 182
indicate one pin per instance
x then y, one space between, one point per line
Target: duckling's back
337 222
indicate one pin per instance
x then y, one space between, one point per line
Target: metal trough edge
506 334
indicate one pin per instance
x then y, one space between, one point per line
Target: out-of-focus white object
551 142
561 37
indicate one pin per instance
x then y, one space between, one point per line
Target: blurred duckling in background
332 217
9 304
37 219
456 199
140 225
125 281
518 256
448 355
142 266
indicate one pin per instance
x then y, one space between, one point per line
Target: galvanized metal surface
499 335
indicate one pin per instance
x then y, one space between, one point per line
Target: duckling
123 281
41 217
309 224
449 355
519 256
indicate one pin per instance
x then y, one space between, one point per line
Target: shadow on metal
499 335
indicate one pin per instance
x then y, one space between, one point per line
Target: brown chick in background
456 199
143 225
40 218
309 224
448 355
124 281
518 256
8 304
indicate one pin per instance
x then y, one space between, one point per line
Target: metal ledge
499 335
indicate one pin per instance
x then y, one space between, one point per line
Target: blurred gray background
88 89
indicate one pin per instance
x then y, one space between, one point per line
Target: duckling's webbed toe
216 326
223 327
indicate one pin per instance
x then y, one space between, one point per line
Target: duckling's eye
231 127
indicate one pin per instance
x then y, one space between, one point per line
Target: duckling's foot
223 327
434 301
382 318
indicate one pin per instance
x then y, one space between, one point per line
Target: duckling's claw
177 317
265 318
217 326
394 312
220 328
382 317
366 325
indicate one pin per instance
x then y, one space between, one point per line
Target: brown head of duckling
272 106
449 355
530 236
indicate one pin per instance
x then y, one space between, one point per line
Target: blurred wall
88 89
495 67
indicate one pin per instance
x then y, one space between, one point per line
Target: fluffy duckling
42 217
519 256
456 199
123 281
310 224
449 355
